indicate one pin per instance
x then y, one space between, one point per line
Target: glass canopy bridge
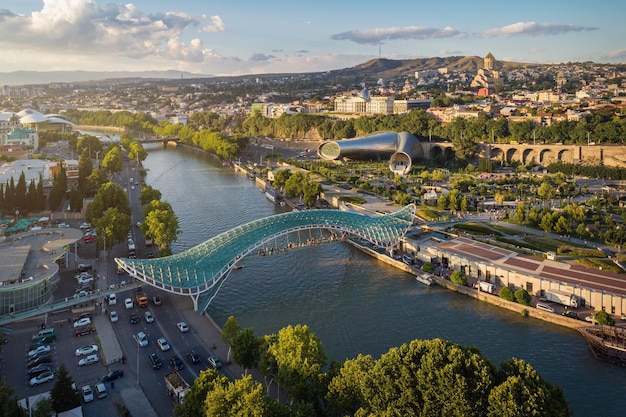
199 272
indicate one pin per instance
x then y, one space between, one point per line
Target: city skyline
245 37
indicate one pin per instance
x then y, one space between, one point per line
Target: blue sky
233 37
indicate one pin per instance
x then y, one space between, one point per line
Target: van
45 335
545 307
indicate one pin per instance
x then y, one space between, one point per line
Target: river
356 304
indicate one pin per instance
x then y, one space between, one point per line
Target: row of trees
19 197
298 184
423 377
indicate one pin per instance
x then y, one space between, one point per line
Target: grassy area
427 214
352 199
477 229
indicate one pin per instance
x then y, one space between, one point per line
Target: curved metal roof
202 267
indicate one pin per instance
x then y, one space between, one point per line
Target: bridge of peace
199 272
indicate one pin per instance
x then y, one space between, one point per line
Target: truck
562 297
485 286
176 386
142 298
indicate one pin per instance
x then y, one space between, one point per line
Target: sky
236 37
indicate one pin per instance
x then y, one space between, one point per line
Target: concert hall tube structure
402 148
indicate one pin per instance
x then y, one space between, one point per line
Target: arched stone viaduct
609 155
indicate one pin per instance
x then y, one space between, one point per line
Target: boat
238 266
425 279
607 343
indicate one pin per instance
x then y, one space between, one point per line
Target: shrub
428 267
524 312
522 297
458 278
507 294
602 317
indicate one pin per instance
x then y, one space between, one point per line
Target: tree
521 392
162 225
148 194
300 358
207 381
64 397
112 227
59 187
43 408
506 293
602 317
8 403
229 331
112 161
109 195
246 349
242 397
522 297
458 278
345 390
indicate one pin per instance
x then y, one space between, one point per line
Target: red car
89 239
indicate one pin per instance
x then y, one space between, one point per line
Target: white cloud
82 27
216 25
376 36
532 29
444 52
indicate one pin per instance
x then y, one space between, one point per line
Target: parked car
41 378
570 314
85 321
83 331
83 268
85 226
163 344
193 357
128 303
214 362
39 369
101 390
176 363
38 350
134 317
148 316
89 239
182 326
84 279
114 316
113 375
39 359
155 361
157 300
86 350
89 360
87 393
112 298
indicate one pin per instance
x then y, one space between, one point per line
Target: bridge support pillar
195 299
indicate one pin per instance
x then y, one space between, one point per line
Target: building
32 169
600 290
27 138
487 76
364 104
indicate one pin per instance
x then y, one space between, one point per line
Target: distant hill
389 69
46 77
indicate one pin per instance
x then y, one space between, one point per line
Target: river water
356 304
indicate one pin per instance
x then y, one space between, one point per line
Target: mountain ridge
372 69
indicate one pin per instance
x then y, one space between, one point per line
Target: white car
86 350
83 279
38 350
85 226
163 344
85 321
141 339
41 378
114 316
87 393
88 360
112 299
182 326
128 303
149 317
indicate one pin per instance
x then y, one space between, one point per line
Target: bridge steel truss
200 271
